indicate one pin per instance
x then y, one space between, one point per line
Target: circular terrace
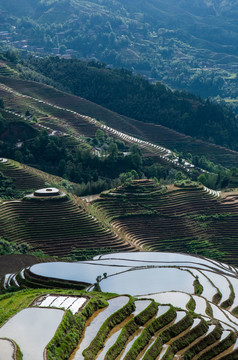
47 192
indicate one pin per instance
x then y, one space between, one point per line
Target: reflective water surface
176 299
148 281
81 272
32 329
140 306
6 350
97 321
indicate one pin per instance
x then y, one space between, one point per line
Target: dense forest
136 97
193 49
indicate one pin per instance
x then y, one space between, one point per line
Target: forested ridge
135 97
187 45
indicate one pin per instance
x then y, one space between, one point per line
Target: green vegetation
7 247
8 189
129 329
19 355
147 38
167 334
203 343
188 338
191 304
197 286
152 328
205 248
201 223
70 331
107 326
87 254
219 348
141 100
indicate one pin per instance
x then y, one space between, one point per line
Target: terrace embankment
182 219
26 177
55 225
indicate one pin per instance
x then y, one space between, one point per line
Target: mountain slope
190 45
150 132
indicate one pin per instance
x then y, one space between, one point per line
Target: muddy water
96 322
32 329
6 350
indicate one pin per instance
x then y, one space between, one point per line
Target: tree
100 136
113 150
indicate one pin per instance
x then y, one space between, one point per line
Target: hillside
183 218
72 114
138 99
186 45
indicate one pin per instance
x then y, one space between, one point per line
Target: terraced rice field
24 177
55 226
178 219
32 336
149 132
194 318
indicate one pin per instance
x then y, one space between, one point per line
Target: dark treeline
134 96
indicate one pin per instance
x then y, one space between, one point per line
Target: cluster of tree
7 188
134 96
98 164
144 37
7 247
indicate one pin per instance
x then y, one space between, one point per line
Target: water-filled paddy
81 272
93 327
234 283
220 282
6 350
148 281
32 329
195 323
176 299
180 315
225 334
164 257
220 315
163 351
201 305
140 306
209 290
129 263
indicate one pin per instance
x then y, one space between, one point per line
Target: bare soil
13 263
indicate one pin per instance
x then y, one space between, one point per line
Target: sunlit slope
189 218
61 118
